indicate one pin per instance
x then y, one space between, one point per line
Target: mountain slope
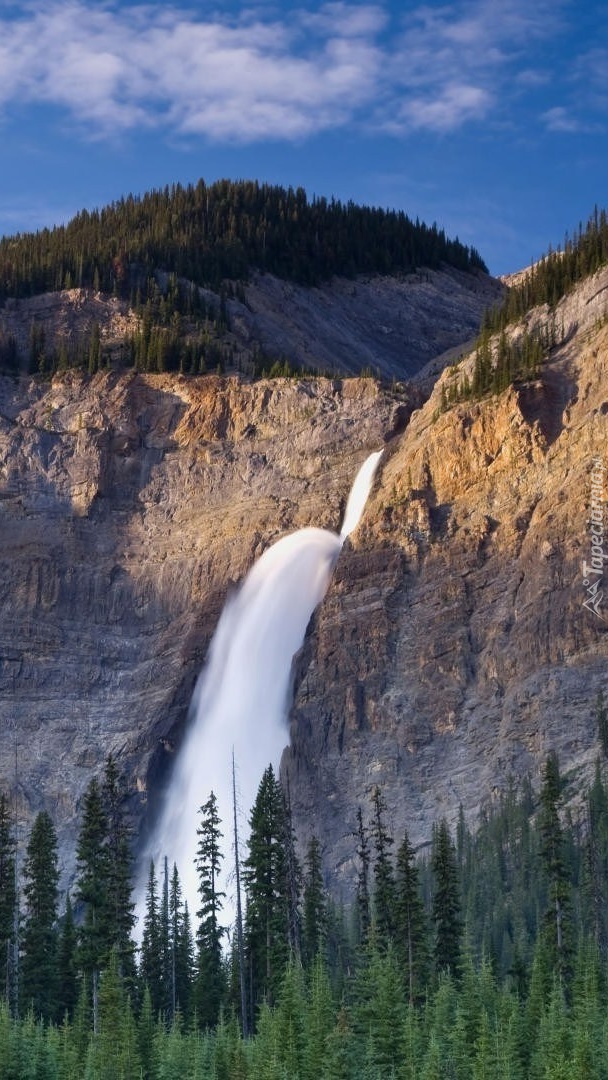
389 326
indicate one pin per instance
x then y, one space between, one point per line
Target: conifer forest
178 254
483 956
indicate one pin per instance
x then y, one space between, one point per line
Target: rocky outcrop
389 326
129 505
454 650
386 326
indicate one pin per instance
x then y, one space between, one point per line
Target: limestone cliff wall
129 506
453 650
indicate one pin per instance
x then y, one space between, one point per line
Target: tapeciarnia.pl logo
593 571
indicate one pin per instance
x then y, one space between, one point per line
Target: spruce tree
92 891
150 957
182 950
411 935
8 897
38 989
558 912
293 881
266 882
595 868
384 881
446 911
121 910
114 1051
210 985
67 984
363 901
165 946
314 903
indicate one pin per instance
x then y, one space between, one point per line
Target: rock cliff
129 505
390 326
452 651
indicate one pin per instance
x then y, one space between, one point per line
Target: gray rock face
128 507
390 326
453 650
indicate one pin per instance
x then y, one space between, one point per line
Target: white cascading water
241 698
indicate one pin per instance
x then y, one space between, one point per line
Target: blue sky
490 118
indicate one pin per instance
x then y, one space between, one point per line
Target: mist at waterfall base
242 696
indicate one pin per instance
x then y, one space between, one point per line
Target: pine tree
121 910
595 869
318 1019
38 988
210 986
266 882
150 958
315 905
92 891
182 949
411 934
290 1019
113 1051
379 1010
341 1057
363 901
166 949
8 897
558 912
446 901
293 881
384 881
67 985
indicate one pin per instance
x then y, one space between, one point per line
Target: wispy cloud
458 62
584 107
560 119
113 69
252 76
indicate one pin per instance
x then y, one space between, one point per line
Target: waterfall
242 695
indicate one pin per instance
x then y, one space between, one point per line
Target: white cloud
116 67
559 119
454 105
454 63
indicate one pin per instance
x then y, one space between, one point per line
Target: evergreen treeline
160 251
486 958
210 233
556 273
179 330
501 358
501 362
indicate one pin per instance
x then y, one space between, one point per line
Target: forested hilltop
209 233
189 273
